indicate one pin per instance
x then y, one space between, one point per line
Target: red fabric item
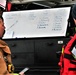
66 62
66 66
9 6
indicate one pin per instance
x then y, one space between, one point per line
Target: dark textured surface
37 54
42 73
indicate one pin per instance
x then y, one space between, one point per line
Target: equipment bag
67 61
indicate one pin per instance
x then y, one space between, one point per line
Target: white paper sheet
37 23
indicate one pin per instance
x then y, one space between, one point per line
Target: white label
74 51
